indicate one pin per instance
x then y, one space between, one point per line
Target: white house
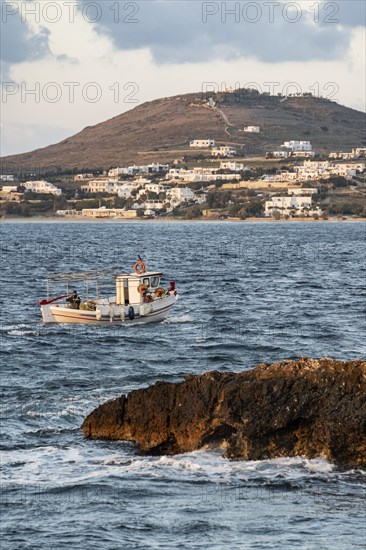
359 152
317 170
303 154
130 185
140 181
104 212
302 191
340 155
109 186
345 170
149 213
224 151
233 166
6 177
277 154
9 189
153 205
181 194
98 186
202 143
81 177
116 172
358 166
285 204
69 213
124 193
133 170
199 175
282 175
252 129
42 186
297 145
155 188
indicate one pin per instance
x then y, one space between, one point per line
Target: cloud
18 43
350 13
195 31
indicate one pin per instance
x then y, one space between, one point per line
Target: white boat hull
110 314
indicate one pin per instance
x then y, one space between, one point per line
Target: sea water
249 293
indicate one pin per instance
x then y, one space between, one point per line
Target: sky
68 64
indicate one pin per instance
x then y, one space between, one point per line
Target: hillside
161 130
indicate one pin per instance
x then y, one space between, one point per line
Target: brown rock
308 407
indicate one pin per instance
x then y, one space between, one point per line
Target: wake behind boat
137 297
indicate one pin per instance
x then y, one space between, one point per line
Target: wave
179 319
117 463
18 332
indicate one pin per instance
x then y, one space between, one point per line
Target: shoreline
44 219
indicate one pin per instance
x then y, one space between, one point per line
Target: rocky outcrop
307 407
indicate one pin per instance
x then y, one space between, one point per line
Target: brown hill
161 130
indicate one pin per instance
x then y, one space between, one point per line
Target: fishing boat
109 298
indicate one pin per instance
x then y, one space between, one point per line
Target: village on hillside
293 181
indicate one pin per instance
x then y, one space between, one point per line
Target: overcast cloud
18 43
195 31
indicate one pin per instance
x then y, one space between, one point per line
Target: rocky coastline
309 407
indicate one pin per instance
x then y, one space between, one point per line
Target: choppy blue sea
249 293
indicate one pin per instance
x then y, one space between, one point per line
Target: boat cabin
134 289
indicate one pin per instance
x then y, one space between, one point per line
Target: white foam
211 466
17 332
318 465
179 319
80 463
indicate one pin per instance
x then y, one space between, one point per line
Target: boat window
155 282
146 281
